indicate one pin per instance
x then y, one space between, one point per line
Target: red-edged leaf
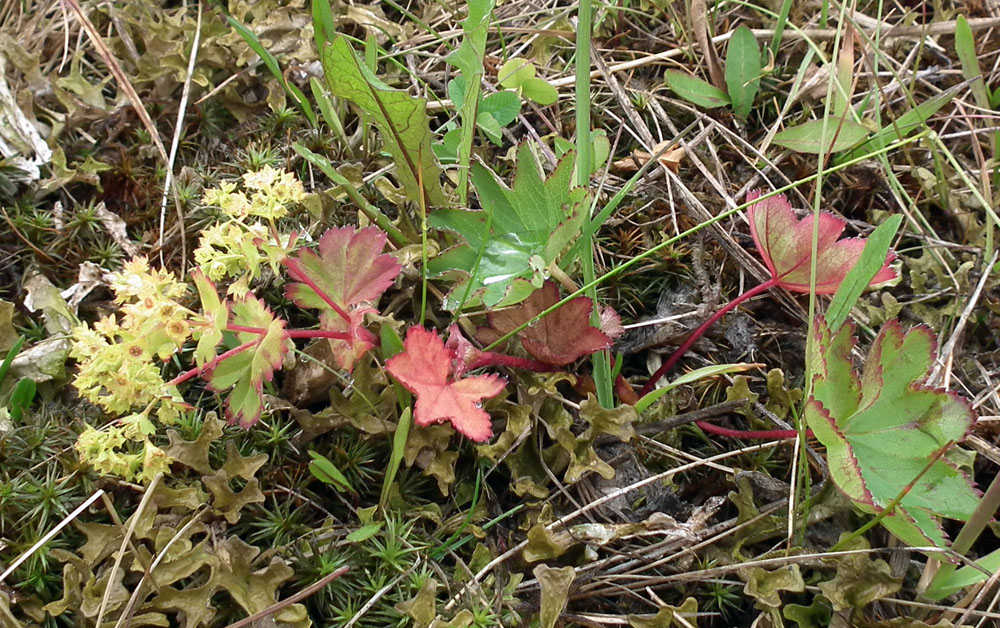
424 368
785 243
215 317
558 338
349 273
880 429
350 269
246 370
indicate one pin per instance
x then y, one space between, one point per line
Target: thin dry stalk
48 536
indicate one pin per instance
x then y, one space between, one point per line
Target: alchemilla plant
239 342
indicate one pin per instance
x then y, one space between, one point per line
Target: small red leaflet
785 243
425 369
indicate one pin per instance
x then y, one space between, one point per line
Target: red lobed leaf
785 243
425 369
349 272
350 269
559 338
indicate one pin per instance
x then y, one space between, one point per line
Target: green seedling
519 75
509 244
743 72
21 394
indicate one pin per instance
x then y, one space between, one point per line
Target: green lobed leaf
695 90
743 70
401 119
881 428
520 229
215 318
809 138
245 372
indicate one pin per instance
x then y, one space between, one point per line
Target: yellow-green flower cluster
147 299
111 451
271 193
230 249
239 248
116 370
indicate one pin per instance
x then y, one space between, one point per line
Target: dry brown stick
698 14
116 70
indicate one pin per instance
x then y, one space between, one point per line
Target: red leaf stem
697 333
186 375
294 333
299 275
490 358
711 428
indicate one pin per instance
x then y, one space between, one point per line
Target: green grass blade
904 125
373 213
272 65
965 47
11 354
396 457
858 278
469 61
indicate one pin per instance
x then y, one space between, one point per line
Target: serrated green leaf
743 70
808 137
881 428
533 220
215 317
695 90
401 119
245 372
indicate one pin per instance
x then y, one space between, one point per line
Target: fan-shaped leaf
424 368
785 243
881 428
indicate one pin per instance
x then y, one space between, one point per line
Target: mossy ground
251 525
